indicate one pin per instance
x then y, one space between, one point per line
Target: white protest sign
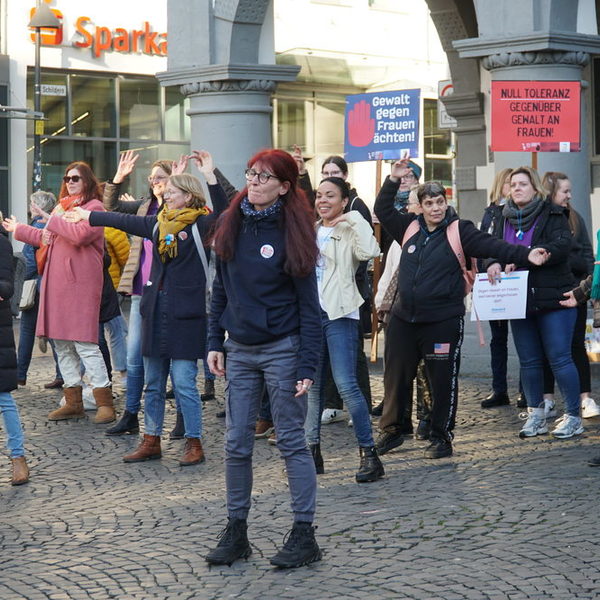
506 299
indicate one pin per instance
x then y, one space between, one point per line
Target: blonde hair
189 184
534 178
551 182
499 179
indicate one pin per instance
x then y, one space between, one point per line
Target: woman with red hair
265 297
70 258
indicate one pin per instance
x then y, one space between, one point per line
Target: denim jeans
183 373
339 349
12 425
135 364
547 333
249 369
116 333
26 339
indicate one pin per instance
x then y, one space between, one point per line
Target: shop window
93 111
291 124
437 146
140 109
177 123
329 127
53 103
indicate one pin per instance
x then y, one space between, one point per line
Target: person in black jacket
173 306
8 366
530 219
265 297
581 260
427 315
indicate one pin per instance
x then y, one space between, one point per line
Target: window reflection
140 108
93 106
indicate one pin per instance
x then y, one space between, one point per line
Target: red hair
91 186
300 239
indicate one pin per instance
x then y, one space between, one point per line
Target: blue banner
383 125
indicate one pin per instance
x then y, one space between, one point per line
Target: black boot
377 411
179 430
315 450
370 468
299 548
233 544
128 423
209 390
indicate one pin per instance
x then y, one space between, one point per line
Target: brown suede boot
20 471
73 408
149 449
192 452
105 412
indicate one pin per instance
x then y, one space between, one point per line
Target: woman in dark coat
173 306
8 366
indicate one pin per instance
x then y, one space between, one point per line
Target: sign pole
376 273
534 160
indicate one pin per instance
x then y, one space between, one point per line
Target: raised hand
179 166
297 156
399 169
127 162
205 164
10 223
361 127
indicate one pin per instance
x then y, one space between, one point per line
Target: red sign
536 116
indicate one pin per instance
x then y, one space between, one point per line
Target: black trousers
438 345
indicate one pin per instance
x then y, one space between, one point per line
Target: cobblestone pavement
502 518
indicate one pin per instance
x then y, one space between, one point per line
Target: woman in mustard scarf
173 305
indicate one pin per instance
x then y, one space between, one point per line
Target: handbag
28 294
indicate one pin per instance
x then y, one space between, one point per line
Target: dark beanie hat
415 168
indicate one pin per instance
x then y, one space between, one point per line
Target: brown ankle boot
20 471
192 452
73 408
149 449
105 412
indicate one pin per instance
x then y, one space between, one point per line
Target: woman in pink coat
71 291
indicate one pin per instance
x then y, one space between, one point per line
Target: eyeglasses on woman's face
263 176
73 178
157 178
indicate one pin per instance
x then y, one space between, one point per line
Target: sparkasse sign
536 116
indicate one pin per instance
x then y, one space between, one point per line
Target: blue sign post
383 125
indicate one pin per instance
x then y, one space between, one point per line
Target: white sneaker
589 408
332 415
549 408
535 424
568 427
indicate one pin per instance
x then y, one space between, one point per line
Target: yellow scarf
170 223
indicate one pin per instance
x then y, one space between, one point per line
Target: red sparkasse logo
104 39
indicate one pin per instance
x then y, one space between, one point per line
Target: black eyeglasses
73 178
263 176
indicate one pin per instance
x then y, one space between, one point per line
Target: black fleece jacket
430 280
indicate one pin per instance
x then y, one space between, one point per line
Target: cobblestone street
502 518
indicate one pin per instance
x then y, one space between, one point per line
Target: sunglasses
73 178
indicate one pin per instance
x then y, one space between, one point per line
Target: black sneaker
128 423
423 430
521 401
438 449
233 544
370 468
299 547
209 390
388 440
594 462
495 399
377 411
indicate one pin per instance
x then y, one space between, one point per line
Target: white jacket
350 242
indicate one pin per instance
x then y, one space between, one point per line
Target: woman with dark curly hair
265 297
